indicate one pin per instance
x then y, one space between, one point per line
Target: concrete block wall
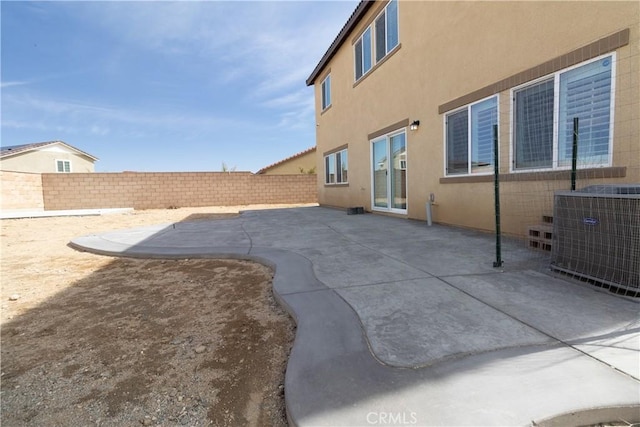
160 190
20 190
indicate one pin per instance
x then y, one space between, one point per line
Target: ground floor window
543 114
469 138
389 172
336 166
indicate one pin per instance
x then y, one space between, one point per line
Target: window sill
341 184
557 175
326 109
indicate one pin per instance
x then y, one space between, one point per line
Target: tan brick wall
173 189
21 191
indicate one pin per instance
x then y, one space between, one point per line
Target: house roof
295 156
353 20
12 150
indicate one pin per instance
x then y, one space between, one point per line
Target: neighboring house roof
355 17
12 150
295 156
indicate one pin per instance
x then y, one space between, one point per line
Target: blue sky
166 86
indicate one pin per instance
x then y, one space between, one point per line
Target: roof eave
354 19
39 145
77 150
278 163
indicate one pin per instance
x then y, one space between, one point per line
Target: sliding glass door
389 173
380 174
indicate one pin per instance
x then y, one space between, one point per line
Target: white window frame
339 178
373 45
371 54
556 114
387 139
468 107
64 162
325 89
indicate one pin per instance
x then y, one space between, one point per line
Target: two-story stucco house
46 157
408 94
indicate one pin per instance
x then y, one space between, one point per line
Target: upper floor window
385 39
469 138
584 92
336 167
386 25
363 54
63 166
326 92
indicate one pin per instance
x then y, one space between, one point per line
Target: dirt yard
94 340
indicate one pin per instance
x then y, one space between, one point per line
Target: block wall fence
21 191
161 190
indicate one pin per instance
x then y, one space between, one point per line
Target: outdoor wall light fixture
414 125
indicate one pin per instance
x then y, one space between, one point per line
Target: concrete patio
404 324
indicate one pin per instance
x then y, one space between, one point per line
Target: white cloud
14 83
266 49
276 43
290 99
41 79
77 116
99 130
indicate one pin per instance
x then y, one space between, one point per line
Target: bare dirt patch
93 340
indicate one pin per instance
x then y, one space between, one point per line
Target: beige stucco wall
306 161
44 161
448 50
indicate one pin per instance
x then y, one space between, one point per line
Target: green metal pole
574 154
496 186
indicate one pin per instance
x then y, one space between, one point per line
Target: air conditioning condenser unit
596 236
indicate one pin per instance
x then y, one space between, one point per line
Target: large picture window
543 115
469 138
336 167
385 38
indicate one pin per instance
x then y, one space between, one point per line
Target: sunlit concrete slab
604 326
332 379
128 237
41 213
354 265
400 323
296 237
200 234
420 322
